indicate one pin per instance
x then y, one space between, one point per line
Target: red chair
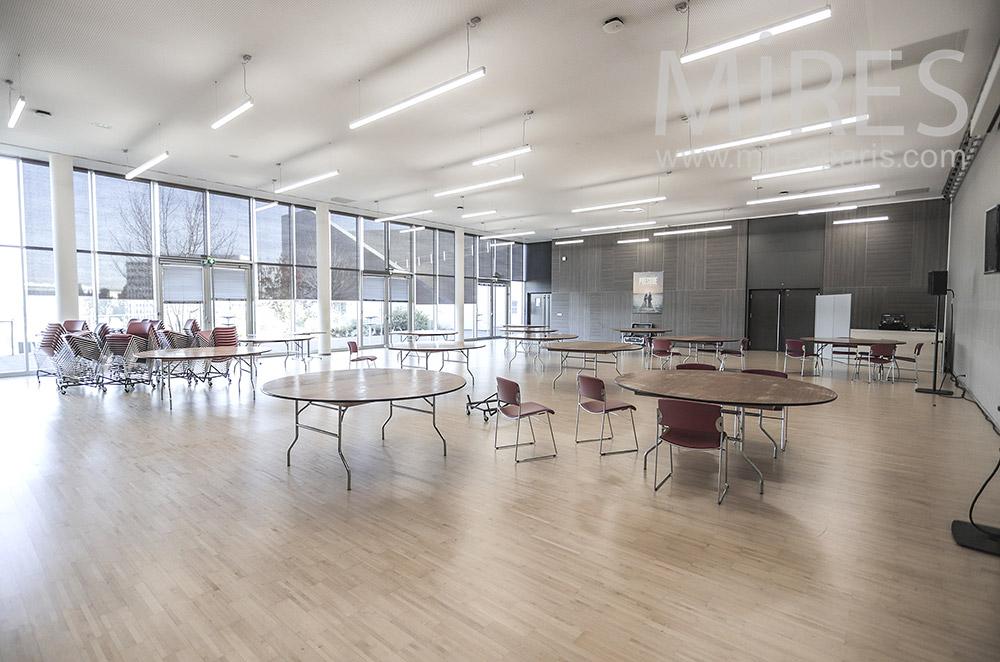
75 326
510 406
691 425
355 358
880 356
593 399
796 349
912 360
741 352
758 413
663 349
696 366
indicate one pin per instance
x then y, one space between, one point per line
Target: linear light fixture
233 114
159 158
270 205
633 241
823 210
630 210
816 194
753 37
787 133
16 113
476 187
416 228
307 182
581 210
618 227
501 243
788 173
509 234
407 215
566 242
870 219
477 214
692 230
509 154
475 74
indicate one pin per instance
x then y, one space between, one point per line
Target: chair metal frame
666 353
354 357
663 428
741 352
907 359
801 354
585 382
502 407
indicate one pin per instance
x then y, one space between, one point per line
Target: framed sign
647 292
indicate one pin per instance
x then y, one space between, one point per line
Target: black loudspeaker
937 283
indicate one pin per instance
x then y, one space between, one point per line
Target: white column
323 274
460 284
64 237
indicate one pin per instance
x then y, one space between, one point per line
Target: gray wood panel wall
704 283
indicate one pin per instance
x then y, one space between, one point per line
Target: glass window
423 308
14 350
10 206
446 302
470 255
274 235
485 258
343 241
124 289
469 301
37 205
81 208
374 245
85 287
229 227
124 220
446 253
502 253
400 247
182 221
305 236
424 241
517 262
274 298
343 307
40 289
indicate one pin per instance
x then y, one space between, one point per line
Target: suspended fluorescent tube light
633 241
822 210
815 194
870 219
247 105
658 198
135 172
476 187
517 151
501 243
566 242
417 228
618 227
754 37
475 74
692 230
16 114
787 173
509 234
787 133
270 205
408 215
477 214
307 182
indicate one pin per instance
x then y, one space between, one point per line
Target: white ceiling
147 69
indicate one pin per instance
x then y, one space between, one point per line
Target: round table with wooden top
342 389
296 344
736 389
523 342
416 335
169 360
821 343
444 348
700 343
588 351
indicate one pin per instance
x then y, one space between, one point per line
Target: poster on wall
647 292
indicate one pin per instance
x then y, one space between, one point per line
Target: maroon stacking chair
696 366
191 327
49 342
75 326
592 398
693 426
355 358
510 406
741 352
911 360
663 349
222 336
796 349
758 412
848 352
881 357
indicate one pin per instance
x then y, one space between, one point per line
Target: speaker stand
934 390
969 536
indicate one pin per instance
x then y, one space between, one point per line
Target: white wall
977 296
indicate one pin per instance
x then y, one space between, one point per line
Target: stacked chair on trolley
72 354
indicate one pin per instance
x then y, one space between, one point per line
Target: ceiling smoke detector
613 25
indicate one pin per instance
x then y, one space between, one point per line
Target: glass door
183 294
385 307
229 286
215 295
492 308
